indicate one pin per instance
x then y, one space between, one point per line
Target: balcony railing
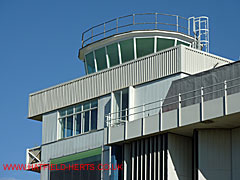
217 90
137 21
33 158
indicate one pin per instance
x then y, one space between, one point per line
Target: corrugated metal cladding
148 68
71 145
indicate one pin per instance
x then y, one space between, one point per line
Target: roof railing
134 22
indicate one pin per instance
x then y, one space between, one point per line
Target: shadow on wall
205 79
179 157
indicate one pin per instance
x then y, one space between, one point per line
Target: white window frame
74 114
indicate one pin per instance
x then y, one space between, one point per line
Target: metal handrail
179 101
132 22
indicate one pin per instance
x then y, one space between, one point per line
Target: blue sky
39 42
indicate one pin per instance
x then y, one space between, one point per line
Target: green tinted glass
183 43
86 105
164 43
145 46
62 112
78 108
90 63
113 54
94 104
101 59
127 50
70 110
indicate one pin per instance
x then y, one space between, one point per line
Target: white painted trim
135 48
95 61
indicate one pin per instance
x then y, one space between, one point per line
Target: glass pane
124 103
78 108
164 43
113 54
70 111
62 112
86 122
101 59
69 126
117 105
183 43
145 46
90 63
127 50
94 119
94 104
63 128
78 123
86 106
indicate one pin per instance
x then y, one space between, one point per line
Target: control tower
130 37
153 101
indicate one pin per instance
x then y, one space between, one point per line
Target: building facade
154 104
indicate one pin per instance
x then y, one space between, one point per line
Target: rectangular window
60 172
127 50
78 123
63 127
69 126
94 119
86 121
120 105
101 59
145 46
78 119
90 63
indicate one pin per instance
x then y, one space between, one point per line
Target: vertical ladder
199 28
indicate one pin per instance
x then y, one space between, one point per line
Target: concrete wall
235 154
179 163
214 154
44 174
150 92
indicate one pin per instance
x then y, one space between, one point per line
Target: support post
179 109
202 99
225 97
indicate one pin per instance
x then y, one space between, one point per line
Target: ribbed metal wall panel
71 145
136 72
197 61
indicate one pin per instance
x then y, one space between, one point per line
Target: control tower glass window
90 63
164 43
183 43
127 50
113 55
145 46
101 59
